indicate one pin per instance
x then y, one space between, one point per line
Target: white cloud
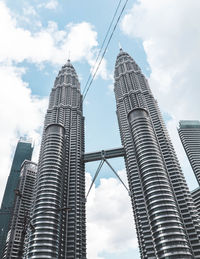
98 68
29 11
111 87
110 224
47 44
20 114
52 4
171 35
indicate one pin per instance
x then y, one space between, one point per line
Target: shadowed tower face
21 210
23 151
165 216
59 232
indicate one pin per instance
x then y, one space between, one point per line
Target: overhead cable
102 45
111 35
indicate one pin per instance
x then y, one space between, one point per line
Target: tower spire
68 56
120 47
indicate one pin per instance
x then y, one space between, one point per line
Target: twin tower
166 221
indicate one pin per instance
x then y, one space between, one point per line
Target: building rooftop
189 124
25 140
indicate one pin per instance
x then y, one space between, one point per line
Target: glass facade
20 222
189 133
23 151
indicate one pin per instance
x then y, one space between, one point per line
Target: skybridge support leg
98 170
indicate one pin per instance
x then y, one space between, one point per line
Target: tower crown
125 62
67 76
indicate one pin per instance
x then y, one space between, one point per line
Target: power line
114 28
102 45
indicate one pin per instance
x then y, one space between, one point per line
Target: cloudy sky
37 37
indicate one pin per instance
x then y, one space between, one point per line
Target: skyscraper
23 151
189 132
166 220
59 208
21 212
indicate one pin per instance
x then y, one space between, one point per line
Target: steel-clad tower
60 231
189 132
166 221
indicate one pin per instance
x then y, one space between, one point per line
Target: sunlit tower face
60 232
164 213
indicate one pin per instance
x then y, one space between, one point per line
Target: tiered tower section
59 208
165 216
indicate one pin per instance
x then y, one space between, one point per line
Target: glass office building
23 151
189 132
21 218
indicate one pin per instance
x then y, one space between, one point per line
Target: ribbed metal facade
189 132
165 217
21 210
196 198
60 233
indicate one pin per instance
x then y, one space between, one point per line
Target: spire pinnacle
68 60
120 47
